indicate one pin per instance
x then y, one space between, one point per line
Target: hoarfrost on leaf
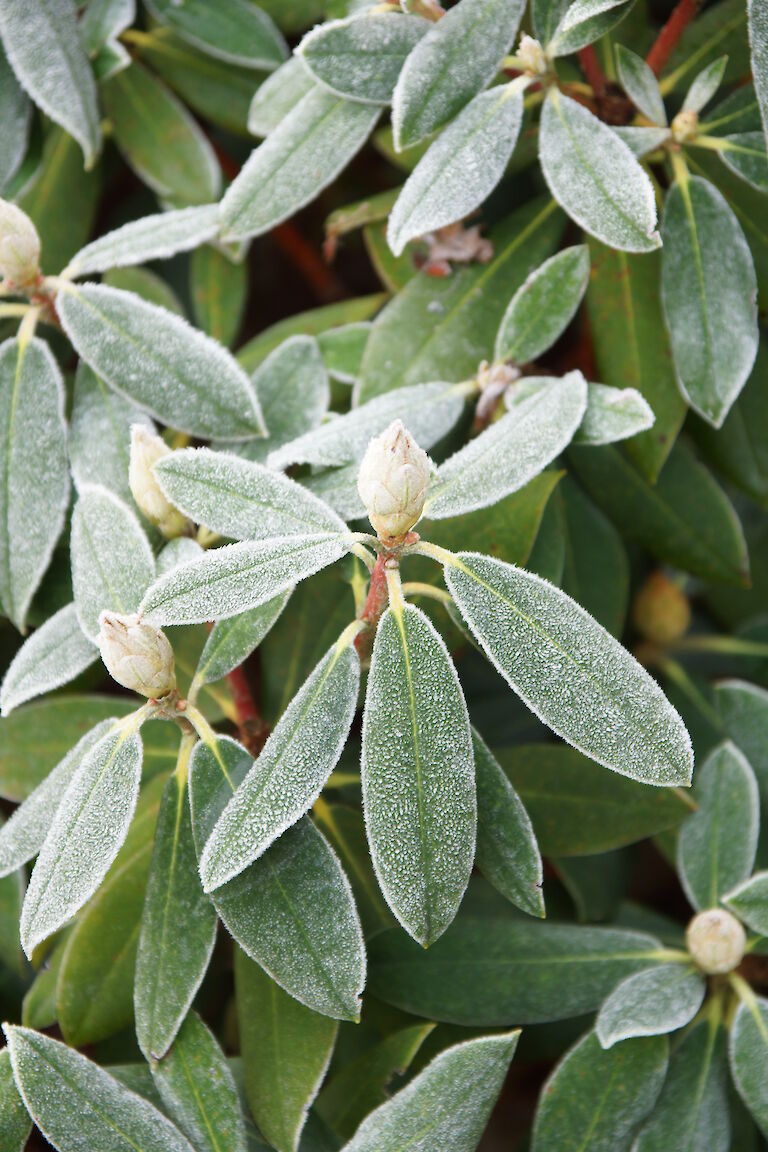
53 655
150 238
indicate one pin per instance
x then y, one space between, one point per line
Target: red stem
316 273
667 39
590 66
242 697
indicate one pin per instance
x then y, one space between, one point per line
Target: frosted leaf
613 414
277 95
512 450
176 552
594 176
543 307
758 42
570 672
53 655
233 30
748 900
238 577
33 467
546 15
149 238
112 562
182 377
343 348
717 844
100 434
461 168
23 834
361 57
240 498
338 488
105 20
16 113
44 46
651 1003
293 392
748 1045
429 411
705 85
77 1105
584 22
178 928
232 641
457 58
745 154
291 911
15 1121
641 141
709 293
418 774
301 157
640 84
291 770
446 1106
87 832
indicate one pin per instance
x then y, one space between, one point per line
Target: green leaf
35 484
596 1099
16 111
159 139
155 237
640 84
342 350
569 670
76 1104
178 928
362 57
642 140
197 1088
692 1110
745 154
546 15
758 42
747 1052
104 20
418 774
705 85
451 64
749 900
612 414
577 810
45 49
543 307
272 1024
291 770
232 641
236 31
85 836
278 95
53 655
219 289
112 562
717 844
293 391
594 176
584 22
445 1106
718 30
158 360
345 829
709 291
15 1121
596 571
507 853
545 413
238 577
146 284
292 911
301 157
461 168
651 1003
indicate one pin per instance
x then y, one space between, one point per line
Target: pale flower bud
146 450
19 246
137 655
393 481
685 126
532 56
716 941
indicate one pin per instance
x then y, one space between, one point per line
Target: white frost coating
77 1105
44 46
570 672
100 434
429 411
641 141
112 562
418 775
232 30
458 58
17 114
361 57
53 655
279 93
446 1106
300 158
758 42
240 498
291 770
747 1052
613 414
717 844
293 391
709 294
231 641
34 475
150 238
23 834
640 84
338 488
594 176
104 20
745 154
748 900
511 451
543 306
585 21
178 374
177 552
705 85
233 579
650 1003
460 169
86 835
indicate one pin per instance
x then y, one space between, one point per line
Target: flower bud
146 450
532 56
19 246
393 481
137 655
716 941
685 126
661 611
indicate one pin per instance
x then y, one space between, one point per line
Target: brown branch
666 41
252 729
324 283
590 66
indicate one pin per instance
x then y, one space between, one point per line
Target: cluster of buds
532 56
146 449
716 941
685 126
393 481
137 655
19 247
